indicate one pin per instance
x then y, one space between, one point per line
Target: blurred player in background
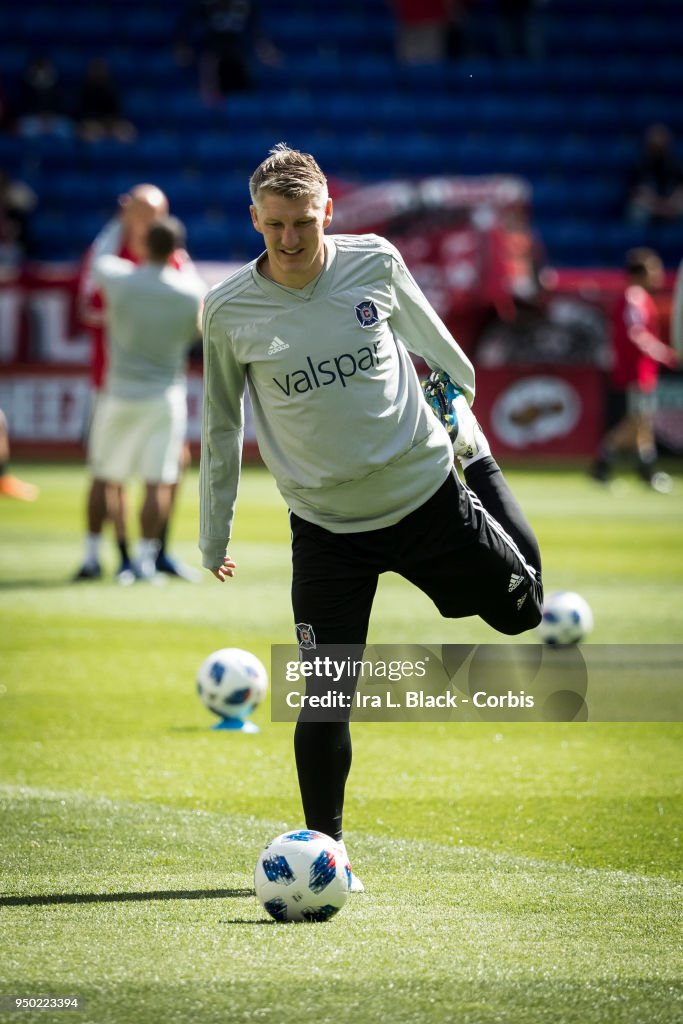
225 36
123 236
11 486
637 354
655 188
138 429
677 314
320 326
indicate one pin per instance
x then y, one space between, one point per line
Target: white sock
356 884
93 543
483 450
147 550
342 849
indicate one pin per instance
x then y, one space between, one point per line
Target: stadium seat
572 122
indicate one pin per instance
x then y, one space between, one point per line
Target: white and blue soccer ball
302 876
567 619
232 683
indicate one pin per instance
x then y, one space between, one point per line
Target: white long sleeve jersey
340 418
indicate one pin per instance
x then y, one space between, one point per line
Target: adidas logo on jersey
521 601
515 581
277 345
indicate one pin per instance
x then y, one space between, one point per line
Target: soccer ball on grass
232 683
302 876
567 619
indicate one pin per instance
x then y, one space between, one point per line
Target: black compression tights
485 478
323 760
323 749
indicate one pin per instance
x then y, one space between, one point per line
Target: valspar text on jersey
328 371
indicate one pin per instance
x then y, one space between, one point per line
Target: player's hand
226 569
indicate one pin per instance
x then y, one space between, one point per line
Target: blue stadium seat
651 108
573 242
13 150
372 155
245 111
418 156
599 115
161 150
81 25
572 122
224 239
392 113
147 24
347 112
12 57
376 72
291 110
185 111
473 155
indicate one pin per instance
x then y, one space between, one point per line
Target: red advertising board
528 409
544 411
48 409
541 410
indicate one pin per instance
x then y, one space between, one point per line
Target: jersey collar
320 285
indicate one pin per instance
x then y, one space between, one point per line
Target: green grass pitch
515 874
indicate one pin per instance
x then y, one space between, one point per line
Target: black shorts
450 548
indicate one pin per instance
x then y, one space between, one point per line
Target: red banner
48 410
541 411
532 411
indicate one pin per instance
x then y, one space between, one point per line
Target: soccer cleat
174 567
13 487
88 571
600 471
355 884
661 483
439 391
451 407
127 573
146 571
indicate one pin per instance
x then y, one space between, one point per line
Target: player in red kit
637 355
123 236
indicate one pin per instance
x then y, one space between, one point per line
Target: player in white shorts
139 422
141 438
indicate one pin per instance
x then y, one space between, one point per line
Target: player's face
138 210
293 232
655 275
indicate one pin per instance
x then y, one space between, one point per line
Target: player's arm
677 314
109 268
106 243
423 332
647 342
222 438
108 272
651 346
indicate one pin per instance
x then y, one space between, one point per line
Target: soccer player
11 486
139 424
637 354
677 314
124 236
320 327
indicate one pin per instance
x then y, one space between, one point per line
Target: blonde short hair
289 173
